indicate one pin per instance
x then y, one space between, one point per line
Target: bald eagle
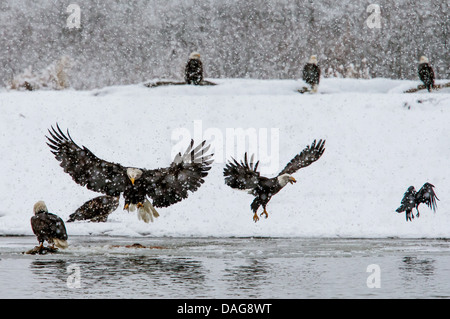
426 74
96 209
193 73
165 186
311 73
244 176
48 227
412 199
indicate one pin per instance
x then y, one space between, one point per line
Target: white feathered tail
147 213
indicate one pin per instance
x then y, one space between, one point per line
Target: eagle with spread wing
412 199
245 176
164 186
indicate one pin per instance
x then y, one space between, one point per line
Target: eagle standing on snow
193 73
413 199
165 186
426 74
48 227
244 176
311 73
96 209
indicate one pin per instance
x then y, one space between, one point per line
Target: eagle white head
313 59
133 174
194 55
423 59
285 178
40 207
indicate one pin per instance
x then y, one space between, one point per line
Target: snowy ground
379 142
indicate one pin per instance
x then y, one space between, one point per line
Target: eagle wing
243 175
306 157
47 226
96 209
85 168
167 186
427 195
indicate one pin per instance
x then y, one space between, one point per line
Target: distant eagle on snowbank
311 73
426 74
193 73
412 199
165 186
244 176
48 227
96 209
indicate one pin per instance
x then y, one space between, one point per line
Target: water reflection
250 276
413 266
417 273
110 274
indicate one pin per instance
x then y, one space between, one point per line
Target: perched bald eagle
96 209
165 186
412 199
244 176
48 227
426 74
311 73
193 73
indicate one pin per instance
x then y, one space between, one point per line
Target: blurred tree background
124 42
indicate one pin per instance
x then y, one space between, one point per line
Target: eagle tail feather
61 243
147 212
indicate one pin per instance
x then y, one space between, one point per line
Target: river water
104 267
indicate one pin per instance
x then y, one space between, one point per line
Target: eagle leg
126 206
418 213
265 213
139 205
255 217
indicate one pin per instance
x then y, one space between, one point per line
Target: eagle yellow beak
292 180
132 180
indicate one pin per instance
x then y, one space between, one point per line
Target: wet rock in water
41 250
137 245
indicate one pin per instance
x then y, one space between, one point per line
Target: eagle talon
126 206
139 205
265 213
255 217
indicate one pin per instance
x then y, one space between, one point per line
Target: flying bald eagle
165 186
244 176
193 73
48 227
412 199
311 73
96 209
426 74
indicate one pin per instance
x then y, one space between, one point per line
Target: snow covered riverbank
379 142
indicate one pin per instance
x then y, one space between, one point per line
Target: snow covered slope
379 141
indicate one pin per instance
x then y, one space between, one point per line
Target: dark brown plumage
48 227
426 73
96 209
245 176
412 199
311 73
193 73
165 186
